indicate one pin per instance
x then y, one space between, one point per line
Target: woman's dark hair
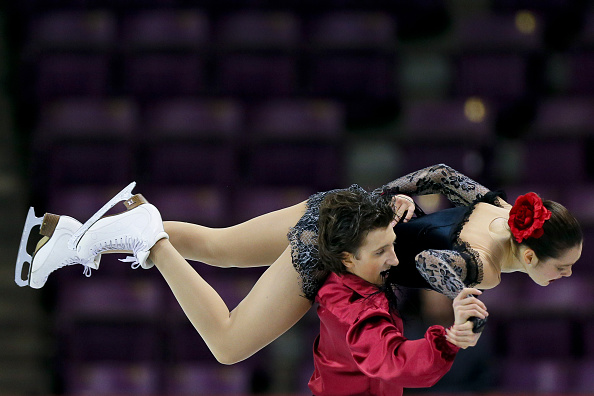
346 217
561 232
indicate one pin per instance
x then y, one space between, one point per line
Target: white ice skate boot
134 231
51 252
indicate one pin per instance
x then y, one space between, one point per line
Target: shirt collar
355 283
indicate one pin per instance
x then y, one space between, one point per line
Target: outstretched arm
438 179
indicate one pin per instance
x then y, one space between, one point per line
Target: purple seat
308 164
583 268
207 206
73 30
588 336
257 75
184 344
544 190
352 76
194 119
259 30
353 30
499 32
586 37
467 159
63 75
538 338
119 338
498 77
581 78
460 121
111 378
165 30
87 141
565 295
544 5
192 164
193 141
140 298
256 201
88 119
89 163
207 379
294 120
502 300
542 376
567 118
583 378
155 74
565 161
580 201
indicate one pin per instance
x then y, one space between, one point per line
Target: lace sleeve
443 270
437 179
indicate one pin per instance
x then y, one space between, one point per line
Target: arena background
225 109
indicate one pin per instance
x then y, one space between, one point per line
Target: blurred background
222 110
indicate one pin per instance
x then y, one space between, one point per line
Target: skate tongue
123 195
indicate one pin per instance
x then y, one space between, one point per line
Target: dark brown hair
561 232
346 217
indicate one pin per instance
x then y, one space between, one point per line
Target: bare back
486 233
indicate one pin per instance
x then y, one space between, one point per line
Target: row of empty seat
198 379
191 29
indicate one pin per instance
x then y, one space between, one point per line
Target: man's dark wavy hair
345 219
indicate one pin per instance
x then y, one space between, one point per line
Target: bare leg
271 308
256 242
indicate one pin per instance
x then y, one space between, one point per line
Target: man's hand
462 335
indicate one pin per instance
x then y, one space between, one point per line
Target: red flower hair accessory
527 217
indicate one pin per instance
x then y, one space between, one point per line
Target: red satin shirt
361 349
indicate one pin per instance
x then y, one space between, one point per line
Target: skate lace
86 270
123 243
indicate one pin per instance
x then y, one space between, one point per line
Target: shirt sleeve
437 179
381 351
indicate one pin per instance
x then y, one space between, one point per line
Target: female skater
482 237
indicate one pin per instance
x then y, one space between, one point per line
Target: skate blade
23 256
123 195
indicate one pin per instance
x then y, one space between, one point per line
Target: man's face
375 256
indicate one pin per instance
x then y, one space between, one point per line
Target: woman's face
375 256
547 271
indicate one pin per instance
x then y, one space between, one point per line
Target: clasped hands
466 306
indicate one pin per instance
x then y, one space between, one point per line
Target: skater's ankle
157 249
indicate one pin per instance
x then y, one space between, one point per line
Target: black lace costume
428 247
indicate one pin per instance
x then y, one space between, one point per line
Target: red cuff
447 349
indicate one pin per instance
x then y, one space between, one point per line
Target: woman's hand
403 206
466 305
